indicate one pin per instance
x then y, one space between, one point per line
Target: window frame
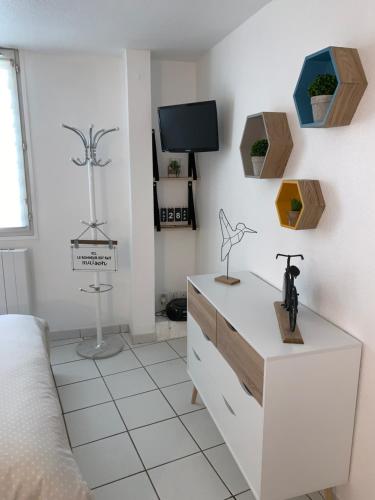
27 231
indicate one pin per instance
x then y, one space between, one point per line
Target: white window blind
15 214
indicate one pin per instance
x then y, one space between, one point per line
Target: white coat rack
103 251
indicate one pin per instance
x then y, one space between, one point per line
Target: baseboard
143 338
335 495
87 332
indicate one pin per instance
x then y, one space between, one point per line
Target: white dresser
286 411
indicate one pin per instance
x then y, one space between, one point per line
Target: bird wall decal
231 236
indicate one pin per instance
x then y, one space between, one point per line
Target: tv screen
189 127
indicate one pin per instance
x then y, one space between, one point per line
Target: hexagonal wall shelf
309 193
346 65
273 127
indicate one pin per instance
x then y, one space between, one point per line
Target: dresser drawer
201 355
203 312
243 359
237 414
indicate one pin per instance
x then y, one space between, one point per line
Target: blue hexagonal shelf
346 65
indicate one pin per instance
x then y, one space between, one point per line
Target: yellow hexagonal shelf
273 127
309 193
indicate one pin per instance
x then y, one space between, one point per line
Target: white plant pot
257 162
293 217
320 104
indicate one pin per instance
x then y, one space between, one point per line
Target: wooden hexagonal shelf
346 65
309 193
273 127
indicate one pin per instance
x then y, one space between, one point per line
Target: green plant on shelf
323 85
174 168
295 205
259 148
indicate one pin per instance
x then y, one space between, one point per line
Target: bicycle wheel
293 309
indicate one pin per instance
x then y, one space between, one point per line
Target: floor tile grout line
61 408
175 350
127 397
121 371
117 480
100 439
132 441
78 381
123 397
157 385
87 407
192 437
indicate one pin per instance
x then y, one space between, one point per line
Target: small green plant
295 205
174 167
259 148
323 85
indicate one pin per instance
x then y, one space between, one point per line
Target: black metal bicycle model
290 295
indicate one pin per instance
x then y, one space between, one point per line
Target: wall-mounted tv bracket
99 347
192 169
155 165
156 208
191 209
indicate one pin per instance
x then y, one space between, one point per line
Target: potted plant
321 91
258 153
174 168
295 209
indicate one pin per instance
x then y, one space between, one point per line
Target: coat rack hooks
90 144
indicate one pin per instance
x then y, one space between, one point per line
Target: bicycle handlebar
289 256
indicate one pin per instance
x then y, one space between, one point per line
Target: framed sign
94 258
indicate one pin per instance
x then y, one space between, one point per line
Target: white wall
139 158
173 82
255 69
77 90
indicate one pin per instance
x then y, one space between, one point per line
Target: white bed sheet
36 462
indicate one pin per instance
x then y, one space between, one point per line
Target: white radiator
14 281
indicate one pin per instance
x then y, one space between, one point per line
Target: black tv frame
198 150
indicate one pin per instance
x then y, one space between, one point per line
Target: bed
36 462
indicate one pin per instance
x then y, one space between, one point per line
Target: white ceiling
177 29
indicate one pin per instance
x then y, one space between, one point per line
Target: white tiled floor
134 432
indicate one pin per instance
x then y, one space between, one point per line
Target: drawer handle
228 406
246 389
196 290
230 326
206 336
196 355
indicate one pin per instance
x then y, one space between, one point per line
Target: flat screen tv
189 127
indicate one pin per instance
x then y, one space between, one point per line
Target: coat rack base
110 346
227 280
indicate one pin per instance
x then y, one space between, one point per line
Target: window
15 207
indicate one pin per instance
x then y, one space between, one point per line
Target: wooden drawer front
244 360
203 312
